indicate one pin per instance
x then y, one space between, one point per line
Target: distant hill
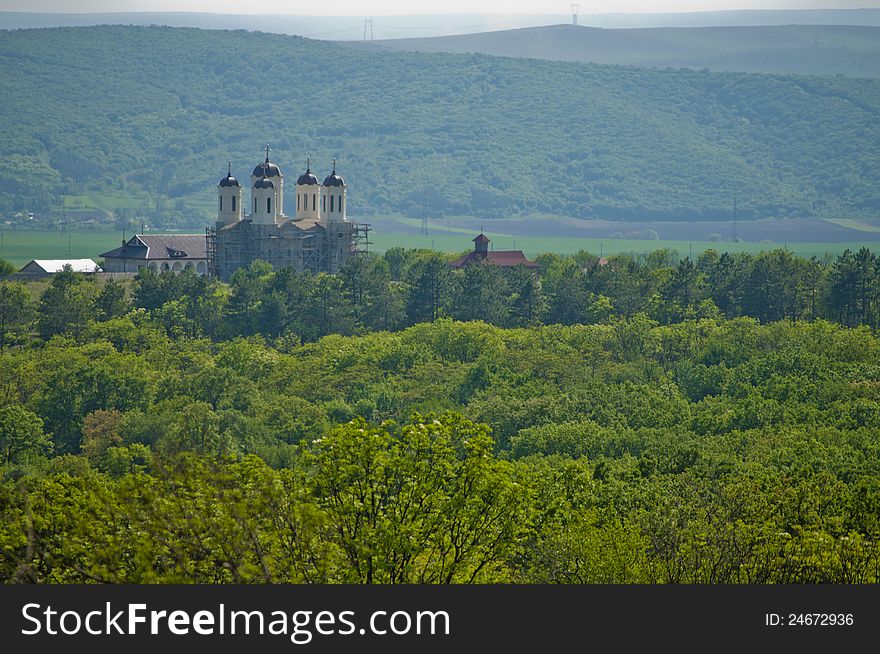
800 49
397 27
737 18
128 110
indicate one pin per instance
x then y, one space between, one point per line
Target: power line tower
424 228
368 24
734 236
574 13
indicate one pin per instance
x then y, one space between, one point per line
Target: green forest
155 113
646 420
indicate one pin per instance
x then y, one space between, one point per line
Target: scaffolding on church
322 248
211 250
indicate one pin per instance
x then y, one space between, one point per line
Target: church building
482 254
318 237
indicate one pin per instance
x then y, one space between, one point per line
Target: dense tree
567 293
854 288
17 313
429 280
274 430
705 451
67 305
21 432
111 302
367 283
479 292
6 269
248 301
527 302
426 506
100 433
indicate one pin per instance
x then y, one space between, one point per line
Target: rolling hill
160 110
799 49
411 26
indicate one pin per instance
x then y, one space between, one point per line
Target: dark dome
333 180
268 169
264 182
307 178
229 180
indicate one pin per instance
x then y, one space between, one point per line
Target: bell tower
265 208
333 201
308 194
229 198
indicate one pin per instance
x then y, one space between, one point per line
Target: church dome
307 178
264 182
333 180
268 169
229 180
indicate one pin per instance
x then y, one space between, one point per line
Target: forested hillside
133 448
798 49
161 109
670 421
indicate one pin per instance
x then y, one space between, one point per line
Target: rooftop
57 265
503 258
161 246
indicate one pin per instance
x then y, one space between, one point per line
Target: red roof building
482 254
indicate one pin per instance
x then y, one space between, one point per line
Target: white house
45 267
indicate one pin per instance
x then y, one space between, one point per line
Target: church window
268 205
324 203
331 204
314 200
297 201
255 205
233 203
221 203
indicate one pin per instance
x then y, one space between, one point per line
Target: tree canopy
654 434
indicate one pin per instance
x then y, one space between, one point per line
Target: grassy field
107 202
19 246
534 245
858 225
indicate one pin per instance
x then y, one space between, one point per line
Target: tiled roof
504 258
170 246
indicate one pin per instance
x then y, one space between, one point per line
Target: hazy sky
380 7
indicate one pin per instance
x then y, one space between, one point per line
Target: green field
851 223
107 201
534 245
19 246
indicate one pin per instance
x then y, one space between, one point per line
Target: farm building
482 254
38 268
160 253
